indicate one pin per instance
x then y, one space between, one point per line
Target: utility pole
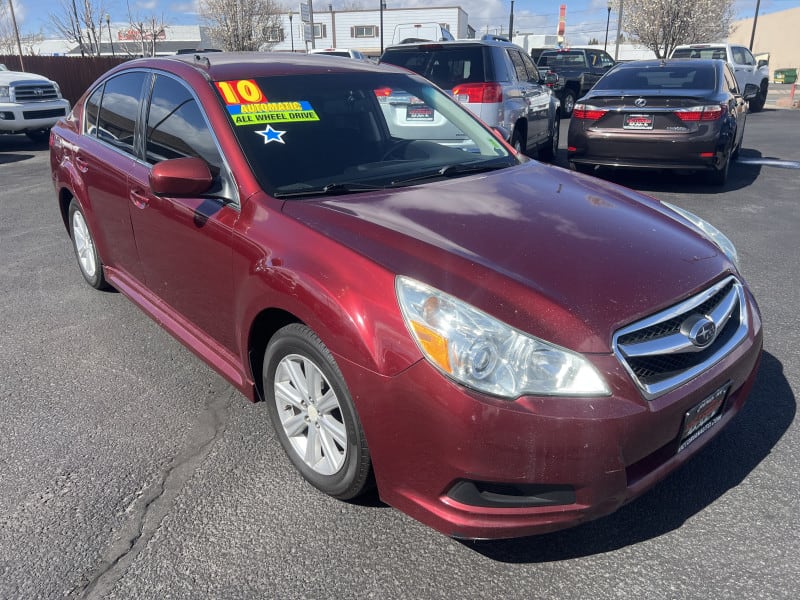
608 20
755 20
511 23
16 35
619 31
311 17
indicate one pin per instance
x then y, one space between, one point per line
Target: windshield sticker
272 135
244 91
272 112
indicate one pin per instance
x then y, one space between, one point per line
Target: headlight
4 92
58 89
487 355
714 234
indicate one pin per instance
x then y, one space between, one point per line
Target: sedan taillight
478 93
710 112
586 112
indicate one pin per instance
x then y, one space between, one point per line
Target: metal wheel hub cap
310 414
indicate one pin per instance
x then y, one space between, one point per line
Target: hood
566 257
9 77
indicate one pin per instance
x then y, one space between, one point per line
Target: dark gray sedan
663 114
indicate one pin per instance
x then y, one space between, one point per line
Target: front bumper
35 116
475 467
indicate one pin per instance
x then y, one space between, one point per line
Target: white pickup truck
29 104
745 66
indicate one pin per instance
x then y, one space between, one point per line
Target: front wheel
313 414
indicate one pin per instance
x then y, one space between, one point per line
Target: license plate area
703 416
419 112
638 121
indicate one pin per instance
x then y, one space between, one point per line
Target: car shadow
740 176
16 148
720 466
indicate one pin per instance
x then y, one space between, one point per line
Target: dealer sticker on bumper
703 416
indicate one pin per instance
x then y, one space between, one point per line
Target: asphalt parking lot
131 470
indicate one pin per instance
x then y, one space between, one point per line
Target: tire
85 250
39 136
568 103
549 151
318 428
757 103
518 141
720 176
584 168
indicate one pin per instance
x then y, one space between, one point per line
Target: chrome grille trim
33 92
658 340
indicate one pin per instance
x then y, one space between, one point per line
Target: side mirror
751 90
188 176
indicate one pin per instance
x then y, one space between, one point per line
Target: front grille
658 351
44 114
34 92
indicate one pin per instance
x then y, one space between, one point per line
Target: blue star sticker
271 135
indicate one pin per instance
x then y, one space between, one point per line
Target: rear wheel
85 251
549 151
313 415
568 103
518 141
757 103
720 176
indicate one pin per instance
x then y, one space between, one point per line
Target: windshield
350 132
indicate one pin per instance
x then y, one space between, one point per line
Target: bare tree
242 25
145 32
80 22
660 25
7 43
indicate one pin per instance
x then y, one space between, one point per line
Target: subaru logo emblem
640 102
700 330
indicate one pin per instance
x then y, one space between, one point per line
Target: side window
116 122
519 66
176 127
533 72
730 80
92 111
738 55
749 59
604 60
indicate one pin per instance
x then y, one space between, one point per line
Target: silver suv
494 78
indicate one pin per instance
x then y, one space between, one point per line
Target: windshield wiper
331 189
454 171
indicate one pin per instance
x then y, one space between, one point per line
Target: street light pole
608 20
382 3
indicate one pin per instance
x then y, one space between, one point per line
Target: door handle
82 165
139 199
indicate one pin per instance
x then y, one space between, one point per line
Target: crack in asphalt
156 500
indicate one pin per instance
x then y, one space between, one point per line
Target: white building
361 29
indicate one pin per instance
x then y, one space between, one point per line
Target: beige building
776 33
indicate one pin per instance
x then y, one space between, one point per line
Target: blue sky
585 18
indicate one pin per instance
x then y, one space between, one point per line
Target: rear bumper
475 467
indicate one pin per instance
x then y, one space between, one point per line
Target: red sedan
501 347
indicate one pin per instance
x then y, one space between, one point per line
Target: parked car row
501 347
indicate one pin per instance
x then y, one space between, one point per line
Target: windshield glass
353 132
699 77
